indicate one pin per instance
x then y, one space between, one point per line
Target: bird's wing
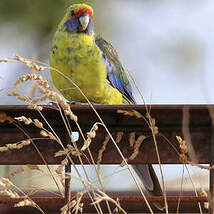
115 72
117 77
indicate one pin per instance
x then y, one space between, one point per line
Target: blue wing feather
115 72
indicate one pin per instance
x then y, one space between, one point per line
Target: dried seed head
7 60
68 206
183 146
37 123
13 93
132 139
103 148
15 145
9 193
61 153
5 182
31 77
183 158
137 145
33 167
35 107
119 137
38 99
27 121
86 144
32 65
25 203
44 133
23 98
71 115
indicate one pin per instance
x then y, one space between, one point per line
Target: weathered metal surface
168 120
128 202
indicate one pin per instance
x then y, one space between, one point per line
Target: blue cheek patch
72 25
90 28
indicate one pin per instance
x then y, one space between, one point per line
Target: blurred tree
34 15
34 22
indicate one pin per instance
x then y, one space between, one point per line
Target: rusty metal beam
187 203
123 199
168 119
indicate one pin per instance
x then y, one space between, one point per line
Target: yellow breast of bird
77 57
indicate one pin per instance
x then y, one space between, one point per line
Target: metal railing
169 120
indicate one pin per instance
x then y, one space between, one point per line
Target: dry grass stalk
184 153
26 203
200 166
153 130
9 193
183 148
26 121
29 63
101 196
152 124
21 170
35 107
132 139
102 122
116 209
48 134
15 172
68 206
204 194
38 124
32 192
136 145
90 135
16 146
59 171
181 190
69 150
71 116
131 113
78 207
55 97
7 60
103 148
32 77
196 194
20 97
36 100
119 136
33 167
13 94
5 183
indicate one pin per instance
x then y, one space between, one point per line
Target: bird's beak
84 21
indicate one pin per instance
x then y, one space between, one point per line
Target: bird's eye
72 13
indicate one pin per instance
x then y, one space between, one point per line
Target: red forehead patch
84 10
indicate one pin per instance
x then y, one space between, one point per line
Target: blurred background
166 45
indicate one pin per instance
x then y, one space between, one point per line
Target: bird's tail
150 181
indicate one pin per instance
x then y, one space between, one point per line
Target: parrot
93 65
